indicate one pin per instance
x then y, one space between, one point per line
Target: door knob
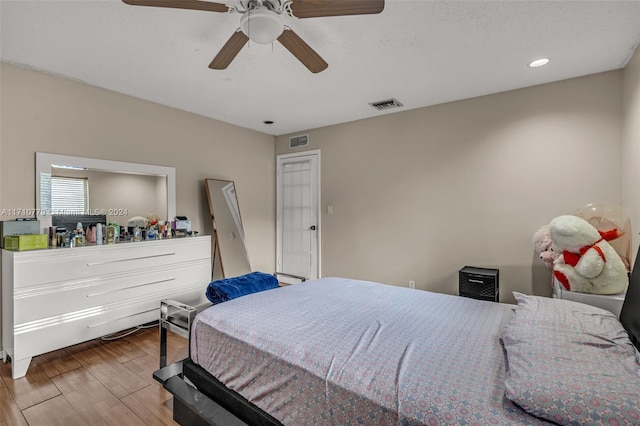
313 227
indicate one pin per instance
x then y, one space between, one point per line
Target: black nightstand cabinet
479 283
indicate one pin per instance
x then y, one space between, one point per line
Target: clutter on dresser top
65 231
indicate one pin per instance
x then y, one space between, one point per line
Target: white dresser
55 298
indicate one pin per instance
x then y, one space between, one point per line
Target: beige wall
45 113
419 194
631 145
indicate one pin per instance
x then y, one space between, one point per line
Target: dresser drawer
90 296
68 264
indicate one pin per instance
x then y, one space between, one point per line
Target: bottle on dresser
99 234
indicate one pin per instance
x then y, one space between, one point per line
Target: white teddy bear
588 263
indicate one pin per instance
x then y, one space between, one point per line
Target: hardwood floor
93 383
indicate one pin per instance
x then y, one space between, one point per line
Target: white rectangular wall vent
386 104
298 141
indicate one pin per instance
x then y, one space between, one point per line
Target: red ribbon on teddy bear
572 259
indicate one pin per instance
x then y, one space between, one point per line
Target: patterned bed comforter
339 351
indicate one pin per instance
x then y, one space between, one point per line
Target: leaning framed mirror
229 251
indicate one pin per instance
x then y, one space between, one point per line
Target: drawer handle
130 259
131 286
123 317
476 281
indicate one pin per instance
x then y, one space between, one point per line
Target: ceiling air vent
386 104
298 141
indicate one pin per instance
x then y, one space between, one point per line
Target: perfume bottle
116 232
90 234
111 234
137 234
79 238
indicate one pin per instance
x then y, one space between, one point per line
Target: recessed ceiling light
539 62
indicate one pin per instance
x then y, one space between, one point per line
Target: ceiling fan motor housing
261 25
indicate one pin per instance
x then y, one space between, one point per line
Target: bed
341 351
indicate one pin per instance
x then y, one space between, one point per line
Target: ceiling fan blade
301 50
318 8
181 4
229 51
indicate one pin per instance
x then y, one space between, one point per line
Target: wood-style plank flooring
93 383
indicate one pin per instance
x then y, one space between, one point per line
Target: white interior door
298 216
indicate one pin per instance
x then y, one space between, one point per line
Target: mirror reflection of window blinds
69 195
45 193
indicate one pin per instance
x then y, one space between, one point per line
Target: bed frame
630 314
200 399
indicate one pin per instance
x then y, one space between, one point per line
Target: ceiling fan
262 22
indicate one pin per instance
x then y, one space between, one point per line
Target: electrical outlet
412 284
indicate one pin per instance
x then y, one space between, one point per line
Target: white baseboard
2 355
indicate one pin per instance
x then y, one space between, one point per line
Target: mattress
341 351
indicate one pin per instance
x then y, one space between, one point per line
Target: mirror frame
45 162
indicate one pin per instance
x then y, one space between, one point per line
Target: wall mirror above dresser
121 189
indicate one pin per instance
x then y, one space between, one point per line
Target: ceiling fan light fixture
261 25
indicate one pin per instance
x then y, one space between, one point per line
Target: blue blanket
229 288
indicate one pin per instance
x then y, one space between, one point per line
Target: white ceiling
420 52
